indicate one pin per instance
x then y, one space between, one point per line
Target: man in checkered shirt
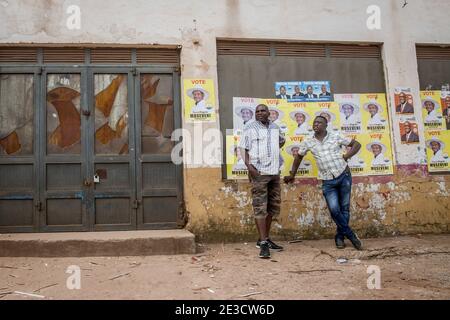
261 142
326 148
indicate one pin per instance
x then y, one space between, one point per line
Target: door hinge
134 71
136 204
38 205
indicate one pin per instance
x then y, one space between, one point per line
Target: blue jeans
337 194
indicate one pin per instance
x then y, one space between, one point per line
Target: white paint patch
306 220
443 190
391 185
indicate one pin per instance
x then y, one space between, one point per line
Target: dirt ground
412 267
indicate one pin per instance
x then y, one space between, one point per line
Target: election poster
199 100
403 100
307 168
437 144
243 112
374 113
328 110
300 119
236 168
409 132
303 91
350 112
445 103
377 153
432 111
356 163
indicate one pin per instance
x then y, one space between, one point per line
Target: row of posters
436 121
361 116
299 91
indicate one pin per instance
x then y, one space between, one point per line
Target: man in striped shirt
261 142
334 172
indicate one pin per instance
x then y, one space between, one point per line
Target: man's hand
252 172
289 179
345 157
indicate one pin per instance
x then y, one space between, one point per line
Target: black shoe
265 252
356 242
340 244
272 245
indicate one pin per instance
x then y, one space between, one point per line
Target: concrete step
95 244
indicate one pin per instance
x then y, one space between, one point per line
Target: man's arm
297 160
355 146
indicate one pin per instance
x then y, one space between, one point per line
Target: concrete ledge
95 244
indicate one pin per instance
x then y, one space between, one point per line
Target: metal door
63 123
19 195
111 150
159 180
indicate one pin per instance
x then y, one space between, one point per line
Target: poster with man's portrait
350 112
307 168
378 154
374 112
356 163
278 113
303 91
431 110
403 100
328 110
438 150
409 132
236 168
199 100
243 112
300 119
445 104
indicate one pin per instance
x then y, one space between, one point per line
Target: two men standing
261 143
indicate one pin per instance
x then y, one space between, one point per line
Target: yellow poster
377 153
277 113
328 110
199 100
438 150
432 110
374 113
300 119
307 168
236 168
357 164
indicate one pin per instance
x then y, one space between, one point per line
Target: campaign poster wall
438 149
303 91
199 100
236 168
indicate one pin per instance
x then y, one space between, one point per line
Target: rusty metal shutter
63 55
18 55
148 55
246 48
299 49
433 52
111 55
354 51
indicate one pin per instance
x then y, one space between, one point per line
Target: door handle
87 183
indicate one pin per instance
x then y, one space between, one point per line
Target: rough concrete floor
412 267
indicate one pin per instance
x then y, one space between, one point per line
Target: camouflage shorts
266 193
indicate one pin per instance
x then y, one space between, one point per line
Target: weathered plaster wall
410 201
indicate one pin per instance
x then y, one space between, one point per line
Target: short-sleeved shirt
328 154
263 145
